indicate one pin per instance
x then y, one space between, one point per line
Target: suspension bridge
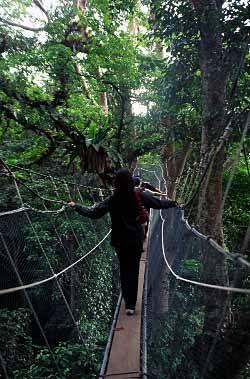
191 321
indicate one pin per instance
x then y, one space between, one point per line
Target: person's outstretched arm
95 212
150 201
155 193
150 187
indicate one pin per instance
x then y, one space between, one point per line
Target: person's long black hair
124 189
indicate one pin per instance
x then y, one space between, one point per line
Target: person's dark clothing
125 229
129 272
145 186
126 236
149 186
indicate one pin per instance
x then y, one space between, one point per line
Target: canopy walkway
190 320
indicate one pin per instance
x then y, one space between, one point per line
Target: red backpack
143 212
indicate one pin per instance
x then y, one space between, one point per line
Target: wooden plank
124 359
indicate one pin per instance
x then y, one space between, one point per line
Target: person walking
126 230
149 188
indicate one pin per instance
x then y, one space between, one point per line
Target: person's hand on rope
72 204
163 194
180 204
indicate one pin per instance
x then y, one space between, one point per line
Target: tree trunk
210 198
245 248
103 95
127 123
173 165
213 99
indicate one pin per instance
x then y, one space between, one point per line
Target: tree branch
25 27
40 6
10 115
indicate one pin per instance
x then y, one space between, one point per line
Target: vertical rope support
234 165
66 215
192 184
87 263
66 250
184 185
71 199
49 264
55 229
30 305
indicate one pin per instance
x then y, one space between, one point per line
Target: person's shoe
130 312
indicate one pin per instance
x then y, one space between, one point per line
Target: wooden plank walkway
124 359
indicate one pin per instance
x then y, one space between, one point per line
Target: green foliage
58 78
88 287
50 110
191 267
237 209
175 92
68 361
149 158
184 329
175 335
15 341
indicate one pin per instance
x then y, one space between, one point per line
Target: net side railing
58 286
196 328
196 299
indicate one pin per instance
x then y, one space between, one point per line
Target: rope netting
58 286
197 303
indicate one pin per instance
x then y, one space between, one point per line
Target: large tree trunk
213 99
127 125
210 198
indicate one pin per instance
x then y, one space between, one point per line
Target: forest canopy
89 86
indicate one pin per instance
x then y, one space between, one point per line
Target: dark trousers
129 272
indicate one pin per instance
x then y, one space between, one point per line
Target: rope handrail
13 211
60 210
232 256
56 275
194 282
27 207
213 243
52 275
